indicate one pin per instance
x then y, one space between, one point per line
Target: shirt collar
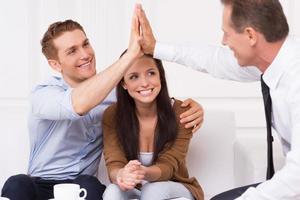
274 72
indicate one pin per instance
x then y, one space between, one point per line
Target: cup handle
84 193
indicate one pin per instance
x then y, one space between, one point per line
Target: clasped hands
132 174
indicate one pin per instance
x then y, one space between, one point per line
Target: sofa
217 157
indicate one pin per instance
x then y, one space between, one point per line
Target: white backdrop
107 24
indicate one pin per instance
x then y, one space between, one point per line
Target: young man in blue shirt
65 114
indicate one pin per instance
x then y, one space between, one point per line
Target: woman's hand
131 175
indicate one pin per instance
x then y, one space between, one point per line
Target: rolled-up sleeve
53 103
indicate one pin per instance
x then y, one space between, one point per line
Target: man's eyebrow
74 46
70 48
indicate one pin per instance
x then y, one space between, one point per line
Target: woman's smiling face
142 81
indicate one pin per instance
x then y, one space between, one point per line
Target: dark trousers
24 187
234 193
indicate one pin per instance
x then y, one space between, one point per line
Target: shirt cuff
67 104
164 51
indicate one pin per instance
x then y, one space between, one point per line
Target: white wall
107 24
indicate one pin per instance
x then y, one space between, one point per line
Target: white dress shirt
283 79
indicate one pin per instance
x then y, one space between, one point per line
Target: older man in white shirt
257 33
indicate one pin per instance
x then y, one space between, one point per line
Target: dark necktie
268 110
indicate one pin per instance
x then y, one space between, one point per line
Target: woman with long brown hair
144 144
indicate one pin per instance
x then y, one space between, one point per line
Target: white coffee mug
4 198
68 191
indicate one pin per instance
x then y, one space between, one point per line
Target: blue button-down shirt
63 143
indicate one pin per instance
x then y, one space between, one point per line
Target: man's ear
55 65
251 35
